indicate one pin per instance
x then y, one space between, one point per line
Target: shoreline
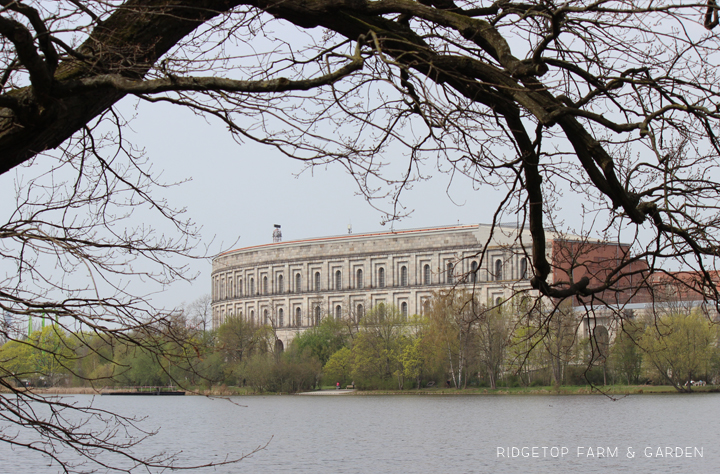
224 391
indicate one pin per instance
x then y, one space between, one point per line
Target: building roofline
355 236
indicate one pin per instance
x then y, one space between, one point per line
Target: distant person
338 386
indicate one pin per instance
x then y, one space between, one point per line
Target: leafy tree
237 339
15 361
494 328
324 340
142 367
95 359
422 357
525 354
47 354
378 346
339 367
290 372
413 359
559 338
454 318
679 347
52 356
626 354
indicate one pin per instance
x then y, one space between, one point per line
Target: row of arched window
497 273
227 290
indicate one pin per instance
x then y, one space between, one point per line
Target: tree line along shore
458 346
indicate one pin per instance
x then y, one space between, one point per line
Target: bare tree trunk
452 368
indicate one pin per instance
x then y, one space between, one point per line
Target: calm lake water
421 434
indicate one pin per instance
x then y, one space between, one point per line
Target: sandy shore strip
329 392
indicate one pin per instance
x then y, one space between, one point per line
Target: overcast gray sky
237 192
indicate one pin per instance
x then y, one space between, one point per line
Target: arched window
222 290
252 317
473 271
426 275
426 306
240 287
449 275
381 277
240 314
317 315
298 317
359 278
338 312
403 276
317 281
266 319
498 301
216 293
338 280
281 318
281 284
360 312
498 270
265 285
231 292
252 286
404 310
298 283
523 268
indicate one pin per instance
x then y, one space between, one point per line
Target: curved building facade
293 285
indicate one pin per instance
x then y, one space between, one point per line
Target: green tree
324 340
559 338
525 355
494 328
289 372
378 346
15 361
679 347
52 357
237 339
339 367
626 354
140 366
454 318
413 359
95 359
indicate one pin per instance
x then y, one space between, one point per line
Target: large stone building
292 285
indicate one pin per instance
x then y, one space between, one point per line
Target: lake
419 434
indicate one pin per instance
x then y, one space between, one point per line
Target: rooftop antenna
277 234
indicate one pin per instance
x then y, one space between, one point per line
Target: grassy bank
225 391
549 390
